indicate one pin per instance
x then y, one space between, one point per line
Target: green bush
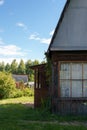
18 93
28 92
7 85
25 92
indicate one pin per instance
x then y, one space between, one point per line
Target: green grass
17 100
17 116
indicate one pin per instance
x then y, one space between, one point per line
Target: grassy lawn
14 115
22 100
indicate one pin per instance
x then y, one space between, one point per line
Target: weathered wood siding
72 106
40 96
69 105
41 87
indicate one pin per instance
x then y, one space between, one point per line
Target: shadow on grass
21 117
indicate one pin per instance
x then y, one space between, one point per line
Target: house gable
71 31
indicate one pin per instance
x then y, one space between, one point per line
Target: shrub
28 92
18 93
25 92
7 85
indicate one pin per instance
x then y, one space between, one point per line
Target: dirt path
29 104
74 123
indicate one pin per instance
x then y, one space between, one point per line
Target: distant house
20 78
68 55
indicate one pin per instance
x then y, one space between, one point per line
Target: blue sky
26 28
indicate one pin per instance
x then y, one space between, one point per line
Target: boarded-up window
73 79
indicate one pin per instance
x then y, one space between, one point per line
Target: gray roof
18 78
71 31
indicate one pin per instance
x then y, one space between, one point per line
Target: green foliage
21 117
14 66
2 66
21 67
36 62
8 67
28 64
29 71
28 92
18 93
24 92
7 85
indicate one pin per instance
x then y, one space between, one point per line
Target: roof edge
58 24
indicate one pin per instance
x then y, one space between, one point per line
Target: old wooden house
68 55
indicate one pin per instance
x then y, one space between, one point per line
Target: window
38 79
73 79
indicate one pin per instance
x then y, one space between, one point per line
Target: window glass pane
76 71
65 71
85 89
76 88
65 88
85 71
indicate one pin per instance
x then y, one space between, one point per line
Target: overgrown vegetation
24 92
20 68
8 87
22 117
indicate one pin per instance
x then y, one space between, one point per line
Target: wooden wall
66 105
41 87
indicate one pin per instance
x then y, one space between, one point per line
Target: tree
8 67
29 71
21 67
36 62
28 64
14 66
2 66
43 62
7 85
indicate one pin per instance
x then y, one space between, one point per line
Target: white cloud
51 33
21 25
41 40
45 40
1 2
9 50
34 37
